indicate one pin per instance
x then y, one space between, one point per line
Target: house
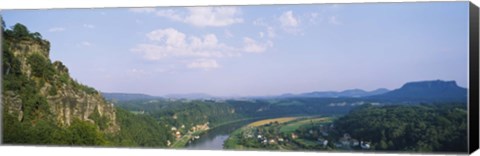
324 133
344 142
280 139
323 142
346 136
178 134
271 141
174 128
354 142
364 145
294 136
259 136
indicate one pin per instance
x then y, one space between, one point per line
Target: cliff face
27 71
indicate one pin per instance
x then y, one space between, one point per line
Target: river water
214 138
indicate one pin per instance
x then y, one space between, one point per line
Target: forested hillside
184 113
42 104
426 128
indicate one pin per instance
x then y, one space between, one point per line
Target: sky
256 50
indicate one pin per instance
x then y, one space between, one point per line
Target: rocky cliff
34 87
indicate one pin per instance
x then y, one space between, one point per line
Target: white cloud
287 19
314 17
172 43
170 14
228 34
205 16
170 36
136 71
56 29
205 64
90 26
334 20
86 44
142 10
271 32
261 34
259 22
290 23
250 45
213 16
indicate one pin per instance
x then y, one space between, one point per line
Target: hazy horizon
256 50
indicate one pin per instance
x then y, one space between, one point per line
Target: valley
44 105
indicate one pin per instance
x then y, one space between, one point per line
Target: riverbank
278 134
184 140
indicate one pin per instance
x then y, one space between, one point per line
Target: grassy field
307 143
291 127
287 125
279 120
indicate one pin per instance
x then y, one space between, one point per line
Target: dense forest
220 110
179 112
425 127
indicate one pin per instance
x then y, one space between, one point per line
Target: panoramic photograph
366 77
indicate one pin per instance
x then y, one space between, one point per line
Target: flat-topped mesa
427 91
431 84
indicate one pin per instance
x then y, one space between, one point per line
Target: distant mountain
426 91
127 96
189 96
345 93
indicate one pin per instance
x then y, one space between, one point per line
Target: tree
84 133
38 63
3 23
37 35
20 31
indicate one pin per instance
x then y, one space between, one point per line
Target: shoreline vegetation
183 142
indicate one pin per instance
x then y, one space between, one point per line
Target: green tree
20 31
3 24
84 133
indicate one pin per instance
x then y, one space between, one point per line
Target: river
214 138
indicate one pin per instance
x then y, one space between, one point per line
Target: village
185 136
299 135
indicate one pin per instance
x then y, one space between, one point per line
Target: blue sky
256 50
